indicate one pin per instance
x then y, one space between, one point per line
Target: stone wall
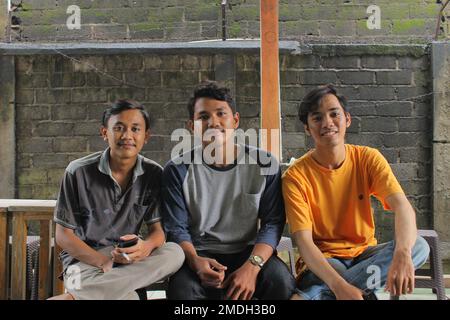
338 21
59 101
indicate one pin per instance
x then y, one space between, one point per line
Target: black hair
312 100
122 105
212 90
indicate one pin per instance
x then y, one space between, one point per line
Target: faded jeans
367 272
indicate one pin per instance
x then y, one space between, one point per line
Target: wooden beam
270 79
19 257
44 259
4 243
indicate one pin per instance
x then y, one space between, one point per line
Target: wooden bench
17 213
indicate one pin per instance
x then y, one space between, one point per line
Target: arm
79 250
319 265
401 273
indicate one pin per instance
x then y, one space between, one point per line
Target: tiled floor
418 294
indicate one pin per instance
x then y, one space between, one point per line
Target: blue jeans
368 271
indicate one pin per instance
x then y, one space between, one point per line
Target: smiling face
216 119
327 125
126 134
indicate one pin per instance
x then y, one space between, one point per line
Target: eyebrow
217 109
319 113
123 124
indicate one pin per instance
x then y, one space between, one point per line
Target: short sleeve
298 212
67 206
383 182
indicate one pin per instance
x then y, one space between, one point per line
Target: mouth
329 133
126 145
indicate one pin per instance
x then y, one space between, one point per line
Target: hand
210 272
106 264
400 278
241 283
139 251
346 291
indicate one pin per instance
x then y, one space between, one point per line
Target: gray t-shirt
92 203
219 209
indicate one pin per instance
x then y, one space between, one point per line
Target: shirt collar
103 165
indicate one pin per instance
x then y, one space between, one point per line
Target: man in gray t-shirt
104 199
226 213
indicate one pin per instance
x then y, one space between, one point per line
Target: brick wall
174 20
59 103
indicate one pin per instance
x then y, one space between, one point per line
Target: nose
127 134
327 121
213 122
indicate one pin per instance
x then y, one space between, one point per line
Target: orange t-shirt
335 204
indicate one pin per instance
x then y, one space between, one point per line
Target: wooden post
44 259
58 285
4 243
19 257
270 79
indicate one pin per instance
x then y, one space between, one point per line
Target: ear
190 125
147 136
236 118
348 119
308 133
103 133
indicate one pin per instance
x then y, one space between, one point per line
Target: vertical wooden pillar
19 257
270 78
3 254
44 259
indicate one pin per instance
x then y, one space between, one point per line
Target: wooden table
19 213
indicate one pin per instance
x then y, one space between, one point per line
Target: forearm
405 232
405 222
189 252
318 264
155 240
263 250
79 250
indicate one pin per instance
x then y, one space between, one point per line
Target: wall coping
210 46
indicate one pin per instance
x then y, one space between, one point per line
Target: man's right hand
210 272
346 291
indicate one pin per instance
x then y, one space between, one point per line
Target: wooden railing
17 213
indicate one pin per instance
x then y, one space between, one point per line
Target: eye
136 129
335 114
118 128
203 117
317 118
221 113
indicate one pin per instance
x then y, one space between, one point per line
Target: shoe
370 296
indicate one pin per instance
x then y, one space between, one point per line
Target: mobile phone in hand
127 243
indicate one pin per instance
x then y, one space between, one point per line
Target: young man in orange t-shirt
327 198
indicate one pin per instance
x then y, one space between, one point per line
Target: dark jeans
274 281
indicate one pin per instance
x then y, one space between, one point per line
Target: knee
278 280
176 255
420 252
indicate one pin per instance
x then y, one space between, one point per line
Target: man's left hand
400 278
241 283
